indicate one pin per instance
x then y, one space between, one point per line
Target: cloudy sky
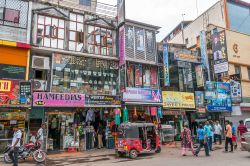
164 13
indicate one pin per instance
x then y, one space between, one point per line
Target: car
247 123
245 141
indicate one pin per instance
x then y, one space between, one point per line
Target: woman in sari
186 142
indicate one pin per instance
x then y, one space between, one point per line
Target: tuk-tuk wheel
158 150
133 154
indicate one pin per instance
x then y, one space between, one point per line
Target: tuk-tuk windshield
128 132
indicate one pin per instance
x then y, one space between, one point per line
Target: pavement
168 156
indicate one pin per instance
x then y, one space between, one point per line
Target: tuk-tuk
136 138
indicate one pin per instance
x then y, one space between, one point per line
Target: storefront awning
143 103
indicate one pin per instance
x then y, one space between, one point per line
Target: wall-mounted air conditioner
39 85
39 62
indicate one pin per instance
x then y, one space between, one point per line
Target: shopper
217 132
39 135
202 140
16 143
208 133
100 135
229 136
187 142
241 128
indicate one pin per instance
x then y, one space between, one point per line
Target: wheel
120 154
7 159
39 156
133 154
158 150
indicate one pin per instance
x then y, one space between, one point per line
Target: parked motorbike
27 150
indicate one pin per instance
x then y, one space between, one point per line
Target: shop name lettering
141 92
106 98
47 96
167 104
5 86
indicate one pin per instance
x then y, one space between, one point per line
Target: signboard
12 72
5 85
199 99
185 55
45 99
121 11
235 91
218 96
199 76
142 95
102 100
166 66
25 93
203 46
220 52
122 45
173 99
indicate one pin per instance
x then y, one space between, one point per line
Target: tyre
158 150
7 159
133 154
39 156
120 154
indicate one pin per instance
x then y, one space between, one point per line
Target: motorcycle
25 151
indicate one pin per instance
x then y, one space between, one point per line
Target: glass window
12 15
85 2
237 69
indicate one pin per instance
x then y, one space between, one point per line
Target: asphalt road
168 157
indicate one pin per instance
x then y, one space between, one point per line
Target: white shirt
217 129
40 134
17 134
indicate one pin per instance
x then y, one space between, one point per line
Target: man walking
217 132
16 143
202 140
241 129
39 135
229 136
208 133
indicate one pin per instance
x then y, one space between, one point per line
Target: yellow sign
178 99
5 86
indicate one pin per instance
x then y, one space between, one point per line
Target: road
168 157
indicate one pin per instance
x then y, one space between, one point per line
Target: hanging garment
159 112
125 115
117 116
90 116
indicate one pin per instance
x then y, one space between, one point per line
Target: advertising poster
203 46
138 75
218 96
121 11
146 77
153 78
199 99
220 52
130 75
199 76
122 45
140 46
235 91
142 95
130 37
173 99
25 93
166 65
46 99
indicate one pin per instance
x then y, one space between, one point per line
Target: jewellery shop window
92 76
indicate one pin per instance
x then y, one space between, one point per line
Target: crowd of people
211 132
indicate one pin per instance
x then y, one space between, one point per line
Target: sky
164 13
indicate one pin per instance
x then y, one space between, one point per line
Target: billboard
220 52
218 96
199 76
199 99
236 91
203 46
121 11
166 65
173 99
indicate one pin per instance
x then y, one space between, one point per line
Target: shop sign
45 99
201 110
102 100
5 86
220 52
166 66
178 99
185 55
12 72
142 95
25 93
218 96
176 113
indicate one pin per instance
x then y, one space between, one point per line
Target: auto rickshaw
137 138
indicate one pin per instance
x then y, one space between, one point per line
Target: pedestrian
234 138
187 142
208 133
241 129
39 135
16 143
202 140
229 136
217 132
100 135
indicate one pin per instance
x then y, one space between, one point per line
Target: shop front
143 104
15 102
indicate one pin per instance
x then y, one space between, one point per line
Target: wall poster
138 75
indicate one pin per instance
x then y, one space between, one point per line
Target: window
248 69
1 13
40 75
85 2
50 32
237 69
186 41
11 15
100 41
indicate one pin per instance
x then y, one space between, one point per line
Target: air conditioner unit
39 62
39 85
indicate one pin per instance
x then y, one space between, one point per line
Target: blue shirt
207 130
234 130
201 134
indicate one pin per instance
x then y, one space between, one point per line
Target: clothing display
117 116
90 116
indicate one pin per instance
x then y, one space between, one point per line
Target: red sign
9 92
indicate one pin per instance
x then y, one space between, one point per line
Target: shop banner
142 95
203 46
46 99
220 52
166 66
122 46
199 99
10 94
173 99
185 55
218 96
121 11
199 76
138 75
102 100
